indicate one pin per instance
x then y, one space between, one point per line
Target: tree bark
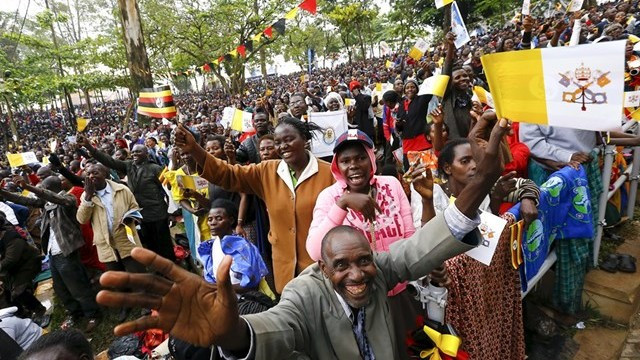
134 44
67 96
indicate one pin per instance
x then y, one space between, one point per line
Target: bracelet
240 221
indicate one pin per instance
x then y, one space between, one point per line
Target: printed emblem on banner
535 234
582 80
159 102
329 136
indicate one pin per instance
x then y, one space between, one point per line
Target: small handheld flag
82 124
157 102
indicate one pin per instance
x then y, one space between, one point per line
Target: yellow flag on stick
241 121
435 85
292 14
441 3
388 64
418 49
17 160
82 124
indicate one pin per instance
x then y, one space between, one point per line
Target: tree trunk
134 44
12 125
67 96
446 24
88 99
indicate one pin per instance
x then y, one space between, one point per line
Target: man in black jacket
61 239
142 179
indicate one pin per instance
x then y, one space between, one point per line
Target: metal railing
631 175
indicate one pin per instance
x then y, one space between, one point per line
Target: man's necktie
361 335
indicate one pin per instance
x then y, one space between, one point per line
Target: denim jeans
71 285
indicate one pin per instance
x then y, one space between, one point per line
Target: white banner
334 124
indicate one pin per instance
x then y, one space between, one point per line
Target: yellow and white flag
441 3
82 123
483 96
17 160
578 87
349 102
418 49
388 64
575 5
237 119
435 85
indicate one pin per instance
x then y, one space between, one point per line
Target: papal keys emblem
582 79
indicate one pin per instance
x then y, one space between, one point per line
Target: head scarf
334 96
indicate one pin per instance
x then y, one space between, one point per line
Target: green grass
102 336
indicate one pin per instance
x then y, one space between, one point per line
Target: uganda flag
157 103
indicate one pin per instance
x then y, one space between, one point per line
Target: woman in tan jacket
289 188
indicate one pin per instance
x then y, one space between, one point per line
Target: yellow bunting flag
234 53
435 85
418 49
579 87
82 123
17 160
292 14
441 3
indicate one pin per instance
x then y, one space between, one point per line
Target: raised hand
437 116
422 181
230 151
185 139
505 185
187 307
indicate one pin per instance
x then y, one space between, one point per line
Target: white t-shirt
216 258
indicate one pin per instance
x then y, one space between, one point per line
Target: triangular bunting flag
292 14
256 38
82 123
308 5
216 62
268 32
242 50
234 53
279 25
206 67
221 59
248 45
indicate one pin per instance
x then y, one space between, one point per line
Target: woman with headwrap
412 119
333 101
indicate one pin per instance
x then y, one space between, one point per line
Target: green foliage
354 22
473 11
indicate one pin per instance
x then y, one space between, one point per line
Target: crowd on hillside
342 256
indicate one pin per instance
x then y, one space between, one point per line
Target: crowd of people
291 255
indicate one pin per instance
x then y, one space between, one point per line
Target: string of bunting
241 50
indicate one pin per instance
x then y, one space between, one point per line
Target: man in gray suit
335 309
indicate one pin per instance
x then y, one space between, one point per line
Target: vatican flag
435 85
418 49
441 3
580 87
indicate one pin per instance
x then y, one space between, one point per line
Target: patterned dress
484 304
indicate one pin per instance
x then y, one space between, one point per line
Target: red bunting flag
206 68
220 59
242 50
309 5
268 32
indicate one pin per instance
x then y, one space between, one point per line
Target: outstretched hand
187 307
185 139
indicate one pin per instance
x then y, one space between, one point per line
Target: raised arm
235 178
105 159
46 195
21 200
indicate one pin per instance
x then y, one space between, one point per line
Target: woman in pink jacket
376 205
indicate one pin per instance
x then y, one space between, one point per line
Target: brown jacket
106 244
290 209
